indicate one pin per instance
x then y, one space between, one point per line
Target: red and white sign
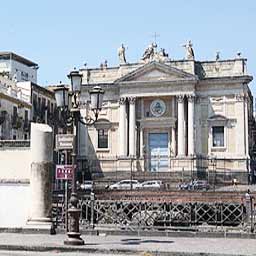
64 172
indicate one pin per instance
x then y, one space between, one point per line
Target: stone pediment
156 71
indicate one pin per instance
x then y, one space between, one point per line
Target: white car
151 184
87 185
125 184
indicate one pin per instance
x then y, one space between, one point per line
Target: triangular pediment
155 71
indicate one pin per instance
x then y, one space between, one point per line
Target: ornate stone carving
121 55
191 97
149 52
132 100
157 108
180 98
239 97
189 50
122 101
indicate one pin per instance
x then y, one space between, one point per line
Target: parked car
87 185
195 185
125 184
200 185
185 185
151 184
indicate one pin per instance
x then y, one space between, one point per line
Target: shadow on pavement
137 241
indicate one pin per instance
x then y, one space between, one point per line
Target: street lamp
68 101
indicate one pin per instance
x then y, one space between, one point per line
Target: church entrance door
158 152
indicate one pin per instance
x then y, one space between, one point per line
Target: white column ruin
41 175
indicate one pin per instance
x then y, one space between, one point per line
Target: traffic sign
64 141
64 172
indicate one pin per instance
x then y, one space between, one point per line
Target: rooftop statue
163 53
189 50
121 54
149 52
217 56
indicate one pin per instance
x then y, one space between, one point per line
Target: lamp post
68 101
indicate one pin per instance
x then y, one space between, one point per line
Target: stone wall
15 206
15 164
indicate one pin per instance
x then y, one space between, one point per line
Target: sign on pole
64 172
64 141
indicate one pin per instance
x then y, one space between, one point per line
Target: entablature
162 122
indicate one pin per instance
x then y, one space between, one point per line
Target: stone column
173 143
122 127
181 126
141 143
41 175
191 124
173 138
132 126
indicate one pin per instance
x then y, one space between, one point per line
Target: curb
109 232
103 251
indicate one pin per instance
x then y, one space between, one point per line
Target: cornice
15 100
226 80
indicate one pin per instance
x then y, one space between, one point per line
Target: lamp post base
74 239
73 223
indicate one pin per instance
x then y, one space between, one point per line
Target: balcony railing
14 143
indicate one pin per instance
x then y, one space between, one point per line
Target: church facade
172 116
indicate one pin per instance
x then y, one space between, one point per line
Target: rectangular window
218 136
26 116
103 138
15 112
39 104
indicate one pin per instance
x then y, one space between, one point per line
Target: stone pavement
125 245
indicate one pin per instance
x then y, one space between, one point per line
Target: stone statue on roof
149 52
121 55
189 50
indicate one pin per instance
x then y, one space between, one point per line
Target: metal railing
136 215
14 143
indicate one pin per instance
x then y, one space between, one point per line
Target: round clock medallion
157 107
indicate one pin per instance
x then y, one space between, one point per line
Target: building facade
17 68
22 100
42 100
175 116
15 112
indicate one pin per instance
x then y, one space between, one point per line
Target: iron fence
136 215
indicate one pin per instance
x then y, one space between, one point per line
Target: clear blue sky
61 34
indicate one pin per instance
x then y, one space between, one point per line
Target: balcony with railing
14 144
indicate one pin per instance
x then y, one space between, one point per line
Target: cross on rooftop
155 36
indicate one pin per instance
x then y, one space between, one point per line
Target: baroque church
185 118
